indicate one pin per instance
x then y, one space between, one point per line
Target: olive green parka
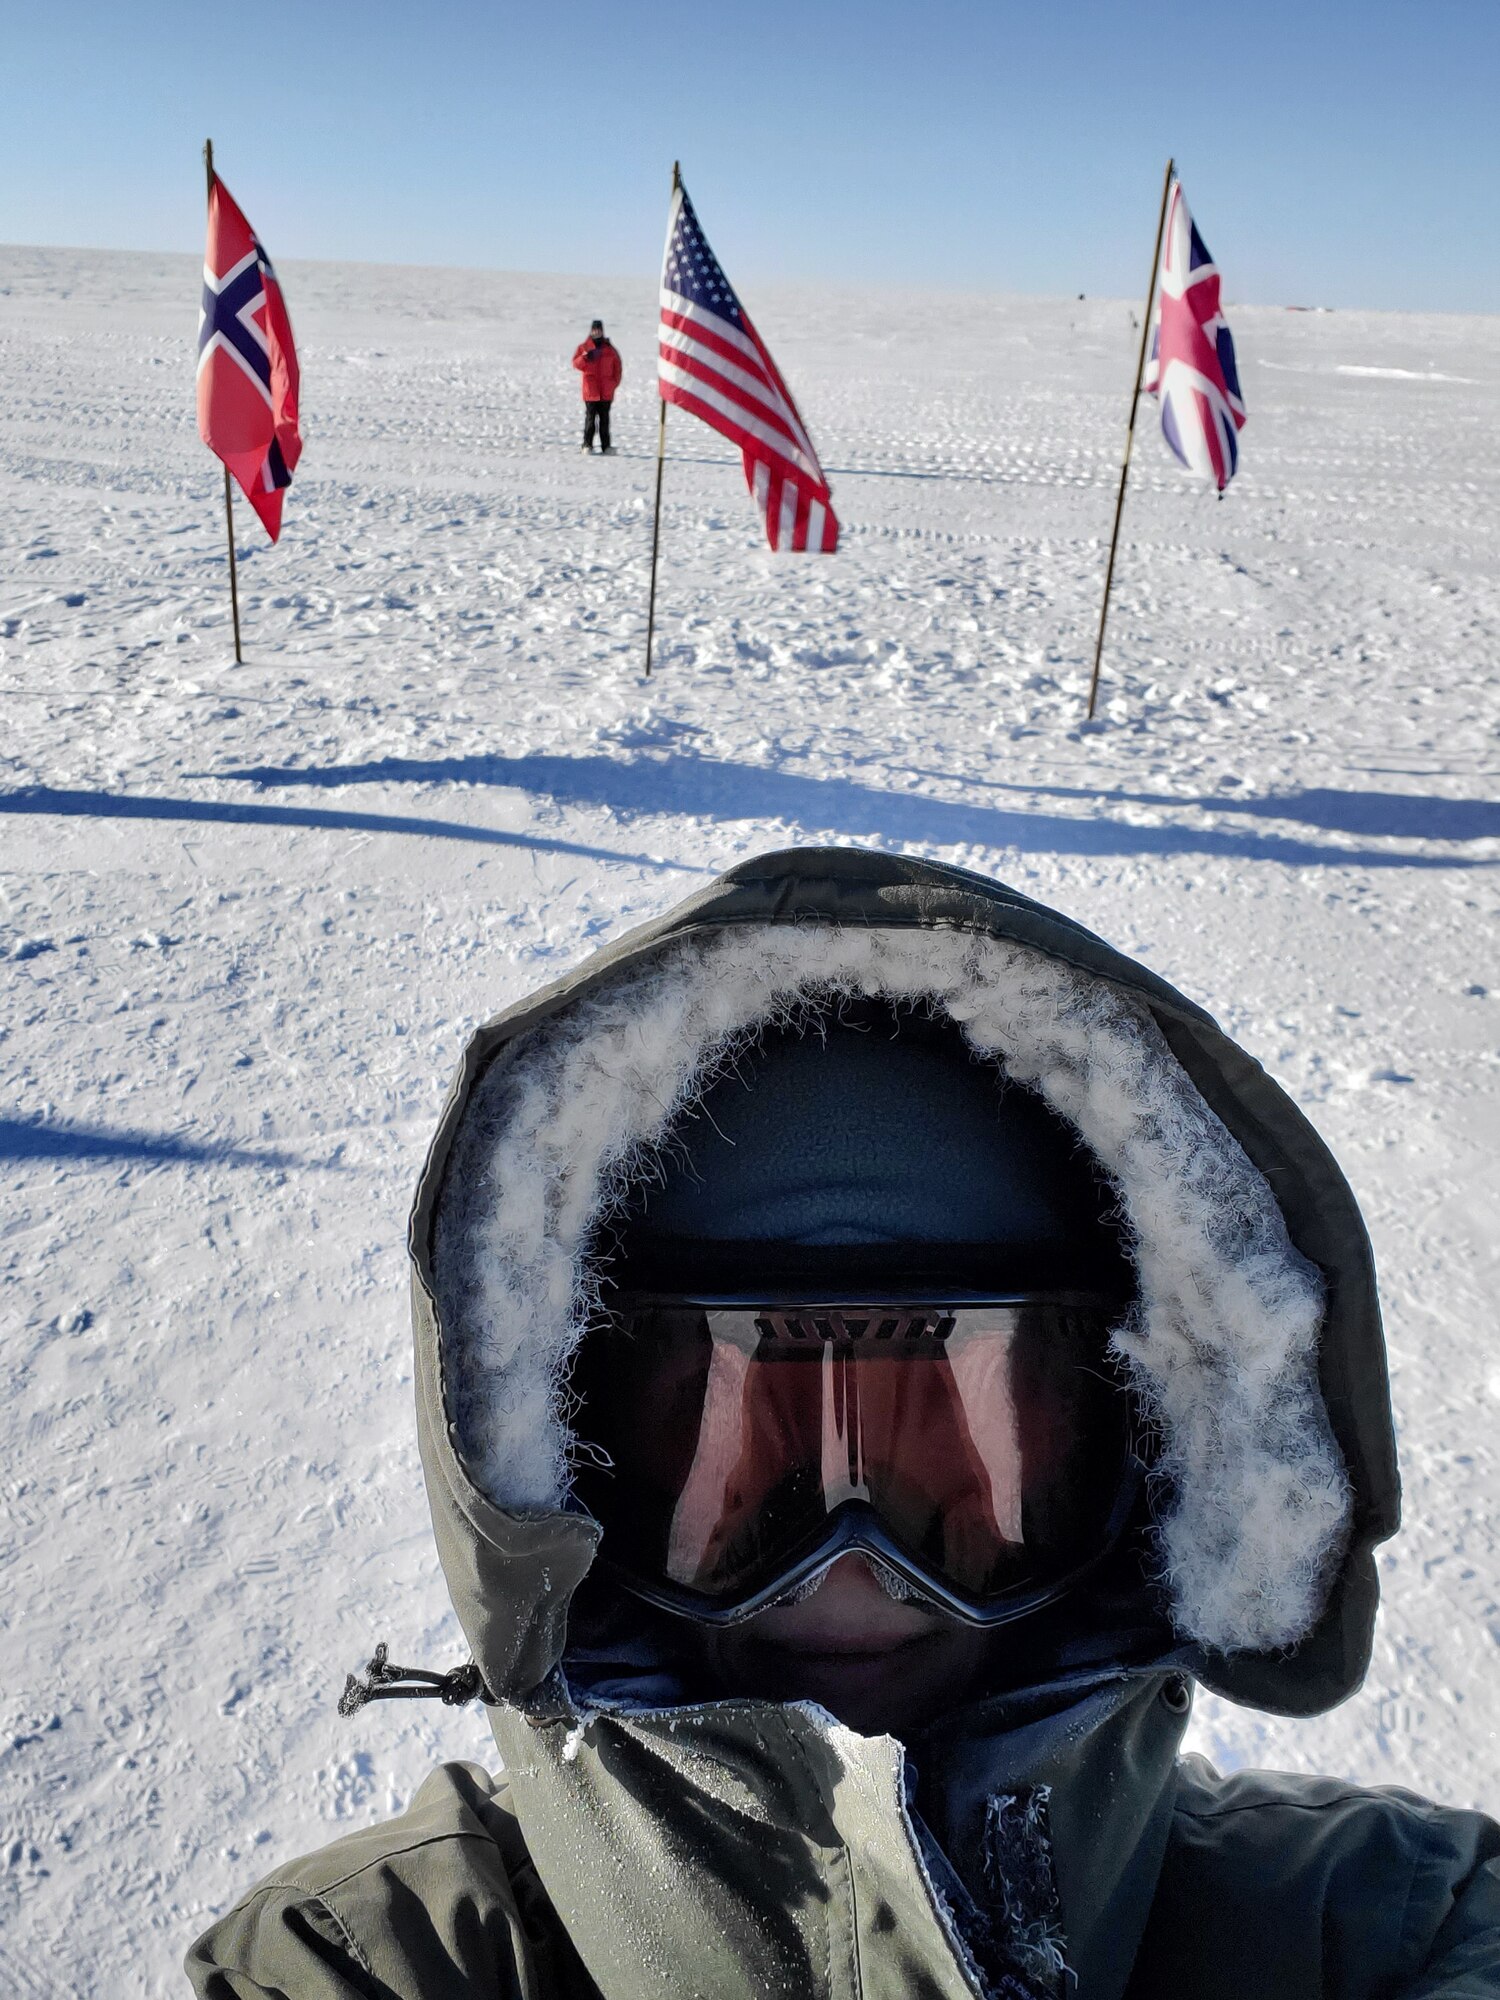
736 1849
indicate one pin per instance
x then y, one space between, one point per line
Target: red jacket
600 369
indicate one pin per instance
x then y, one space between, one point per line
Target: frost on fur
1221 1344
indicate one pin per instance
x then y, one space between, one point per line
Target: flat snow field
250 914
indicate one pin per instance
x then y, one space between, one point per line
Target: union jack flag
710 360
1192 370
247 362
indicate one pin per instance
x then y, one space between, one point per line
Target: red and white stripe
724 374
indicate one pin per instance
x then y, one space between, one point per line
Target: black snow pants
596 413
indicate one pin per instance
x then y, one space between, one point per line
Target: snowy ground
248 915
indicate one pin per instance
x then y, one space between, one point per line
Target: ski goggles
981 1450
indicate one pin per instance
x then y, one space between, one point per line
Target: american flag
248 378
1192 369
712 361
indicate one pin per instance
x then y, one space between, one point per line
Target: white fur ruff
1253 1501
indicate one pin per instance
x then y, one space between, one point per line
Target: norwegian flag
710 360
1192 370
247 362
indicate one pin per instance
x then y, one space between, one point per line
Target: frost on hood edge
1221 1346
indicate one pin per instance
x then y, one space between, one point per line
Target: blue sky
1334 154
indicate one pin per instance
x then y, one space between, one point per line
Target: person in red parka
598 362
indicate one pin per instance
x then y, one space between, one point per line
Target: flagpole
1135 397
661 458
661 453
234 581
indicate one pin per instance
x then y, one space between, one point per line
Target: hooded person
597 360
877 1349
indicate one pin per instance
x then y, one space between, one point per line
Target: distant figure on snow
598 362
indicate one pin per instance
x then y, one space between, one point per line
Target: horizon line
1232 303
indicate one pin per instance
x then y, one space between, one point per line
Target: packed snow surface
250 913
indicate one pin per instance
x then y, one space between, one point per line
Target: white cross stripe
219 345
217 284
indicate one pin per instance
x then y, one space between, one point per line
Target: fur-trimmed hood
1255 1343
1043 1841
740 1847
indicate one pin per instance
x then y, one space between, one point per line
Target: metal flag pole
234 581
1135 397
661 458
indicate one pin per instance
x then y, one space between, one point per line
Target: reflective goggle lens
722 1439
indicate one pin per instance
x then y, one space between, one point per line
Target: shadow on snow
118 805
1386 815
31 1139
708 788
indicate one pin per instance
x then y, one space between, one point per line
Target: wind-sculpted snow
247 916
